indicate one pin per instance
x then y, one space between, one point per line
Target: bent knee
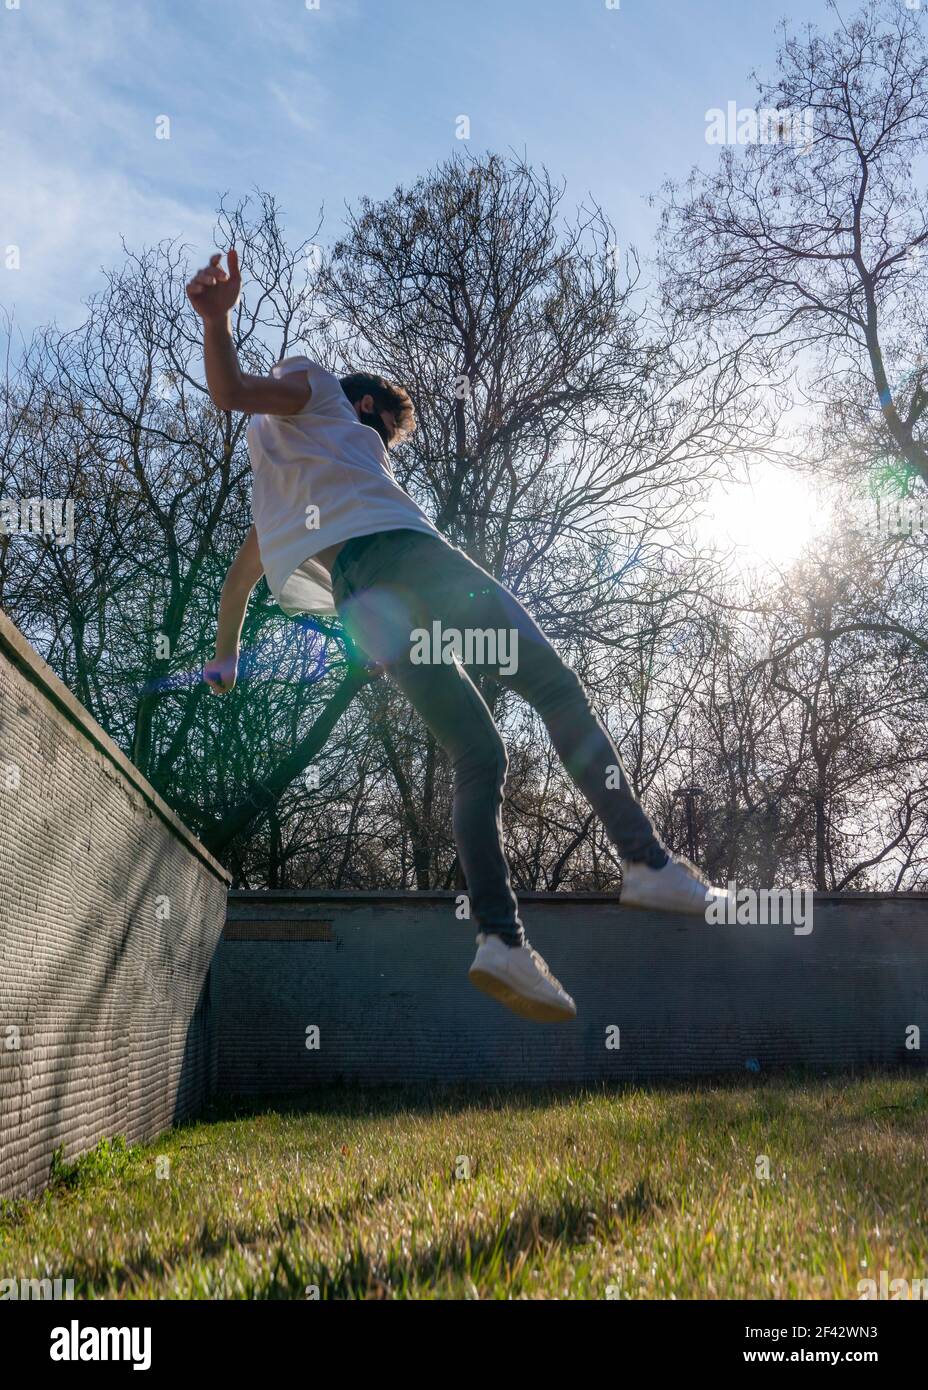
485 759
556 687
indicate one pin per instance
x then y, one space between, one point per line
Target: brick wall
110 911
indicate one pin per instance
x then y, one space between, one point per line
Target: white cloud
68 223
304 119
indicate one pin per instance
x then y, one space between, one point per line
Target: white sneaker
517 977
677 887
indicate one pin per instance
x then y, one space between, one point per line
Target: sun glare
766 522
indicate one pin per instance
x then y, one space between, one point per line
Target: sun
765 522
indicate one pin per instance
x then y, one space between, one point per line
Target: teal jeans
424 611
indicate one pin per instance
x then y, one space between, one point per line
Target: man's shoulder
304 364
326 392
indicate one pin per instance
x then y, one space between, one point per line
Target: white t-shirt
319 477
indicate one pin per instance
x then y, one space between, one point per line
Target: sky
322 105
322 101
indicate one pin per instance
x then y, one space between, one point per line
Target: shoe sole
537 1010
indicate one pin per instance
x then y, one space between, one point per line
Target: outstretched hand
213 291
220 674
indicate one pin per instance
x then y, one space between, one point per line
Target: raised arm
244 572
214 292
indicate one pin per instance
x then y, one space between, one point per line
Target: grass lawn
650 1193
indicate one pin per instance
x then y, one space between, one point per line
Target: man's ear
366 404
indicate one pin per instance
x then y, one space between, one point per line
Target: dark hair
386 397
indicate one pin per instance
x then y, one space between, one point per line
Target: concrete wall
384 977
104 998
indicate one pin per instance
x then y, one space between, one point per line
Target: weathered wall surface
110 911
384 979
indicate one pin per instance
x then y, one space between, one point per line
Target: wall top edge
27 660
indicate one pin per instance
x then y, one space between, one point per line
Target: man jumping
335 533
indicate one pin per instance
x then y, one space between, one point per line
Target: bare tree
814 249
563 431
